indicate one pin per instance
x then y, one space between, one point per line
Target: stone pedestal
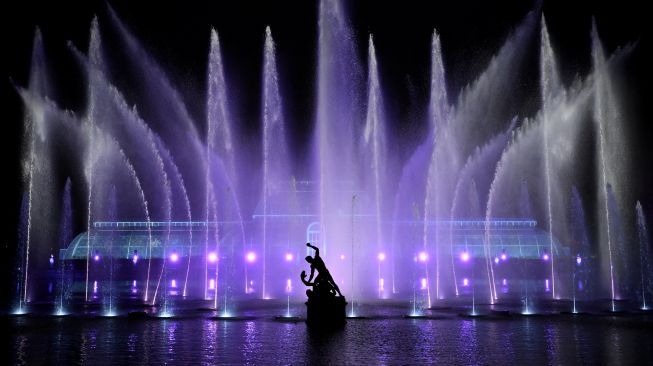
327 311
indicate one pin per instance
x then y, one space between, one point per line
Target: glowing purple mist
479 196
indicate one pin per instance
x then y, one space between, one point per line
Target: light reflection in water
516 341
171 331
209 342
467 336
251 343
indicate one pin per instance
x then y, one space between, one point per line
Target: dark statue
326 305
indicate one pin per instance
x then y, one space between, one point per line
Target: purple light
546 284
579 260
174 256
251 257
173 283
95 287
504 282
96 257
135 258
51 260
423 283
212 284
213 257
381 256
381 283
464 256
504 256
496 260
342 257
465 282
289 257
288 286
423 256
545 257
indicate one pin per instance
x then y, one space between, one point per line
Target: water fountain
477 209
580 245
644 256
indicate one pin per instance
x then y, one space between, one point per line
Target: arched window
316 236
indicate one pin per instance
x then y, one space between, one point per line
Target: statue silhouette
324 309
320 287
323 274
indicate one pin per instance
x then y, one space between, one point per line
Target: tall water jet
20 253
65 236
112 215
216 239
550 88
29 225
34 121
221 133
374 141
644 254
438 101
526 211
215 110
622 270
146 210
90 157
275 156
40 198
338 124
438 118
504 144
353 231
165 153
218 109
581 251
487 244
598 58
224 131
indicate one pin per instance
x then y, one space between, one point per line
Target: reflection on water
516 341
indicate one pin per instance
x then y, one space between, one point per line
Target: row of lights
251 257
465 256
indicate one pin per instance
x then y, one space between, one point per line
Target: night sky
177 35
